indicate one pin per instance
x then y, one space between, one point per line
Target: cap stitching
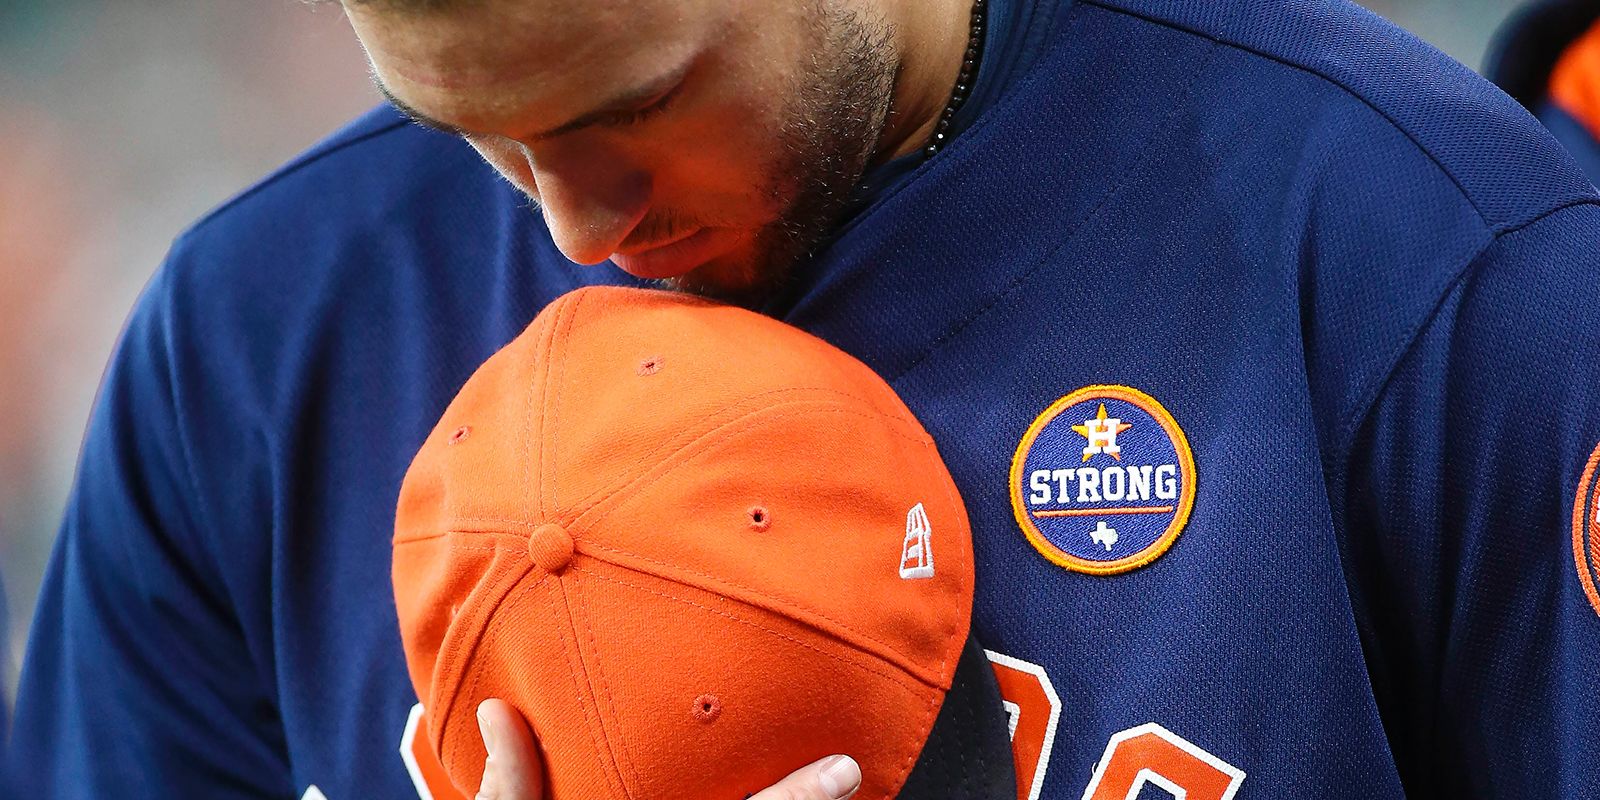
597 732
534 400
553 407
572 669
729 428
928 721
900 678
668 467
610 698
953 496
759 593
587 545
448 663
525 526
492 549
664 468
688 438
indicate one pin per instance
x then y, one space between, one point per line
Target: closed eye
655 109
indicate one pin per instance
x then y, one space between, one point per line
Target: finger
512 771
832 778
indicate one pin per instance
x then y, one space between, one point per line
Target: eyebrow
621 103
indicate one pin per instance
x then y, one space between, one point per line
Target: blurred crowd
120 123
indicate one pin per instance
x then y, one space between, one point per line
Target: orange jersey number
1154 755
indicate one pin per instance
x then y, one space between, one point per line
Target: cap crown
695 547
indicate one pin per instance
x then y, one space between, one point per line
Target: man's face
708 143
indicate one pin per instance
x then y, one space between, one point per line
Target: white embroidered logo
1103 535
1101 431
916 555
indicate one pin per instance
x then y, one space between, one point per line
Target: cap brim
968 754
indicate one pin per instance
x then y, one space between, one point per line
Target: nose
591 200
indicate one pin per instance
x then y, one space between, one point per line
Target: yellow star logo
1102 434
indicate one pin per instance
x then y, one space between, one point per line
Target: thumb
512 771
832 778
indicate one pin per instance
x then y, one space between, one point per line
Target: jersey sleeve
138 682
1483 644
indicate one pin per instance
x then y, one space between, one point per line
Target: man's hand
513 772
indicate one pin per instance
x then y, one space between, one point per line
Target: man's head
710 143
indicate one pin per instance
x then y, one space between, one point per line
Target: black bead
964 81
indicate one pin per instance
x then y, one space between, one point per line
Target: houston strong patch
1103 480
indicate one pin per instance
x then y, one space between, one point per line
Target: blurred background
120 123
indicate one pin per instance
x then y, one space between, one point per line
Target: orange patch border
1587 558
1180 517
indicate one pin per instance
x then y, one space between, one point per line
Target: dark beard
828 138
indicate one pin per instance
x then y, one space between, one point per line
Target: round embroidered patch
1586 530
1103 481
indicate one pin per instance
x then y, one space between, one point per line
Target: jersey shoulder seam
1352 423
299 163
1493 228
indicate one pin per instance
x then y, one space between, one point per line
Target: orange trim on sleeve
1575 82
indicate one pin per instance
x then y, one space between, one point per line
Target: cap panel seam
667 467
623 753
961 632
913 687
897 659
572 670
733 412
477 533
899 677
534 430
449 665
591 711
731 427
556 369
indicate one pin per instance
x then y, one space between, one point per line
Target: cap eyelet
707 708
460 435
760 518
649 366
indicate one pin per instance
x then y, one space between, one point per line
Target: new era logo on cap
916 555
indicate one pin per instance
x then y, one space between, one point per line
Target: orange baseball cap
697 549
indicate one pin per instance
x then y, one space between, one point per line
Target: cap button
550 547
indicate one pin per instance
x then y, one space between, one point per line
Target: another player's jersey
1259 337
1547 57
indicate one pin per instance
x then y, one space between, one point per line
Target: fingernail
487 731
840 776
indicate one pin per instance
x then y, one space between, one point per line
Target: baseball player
1548 58
1257 336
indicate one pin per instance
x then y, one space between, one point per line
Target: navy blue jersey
5 665
1342 292
1523 56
